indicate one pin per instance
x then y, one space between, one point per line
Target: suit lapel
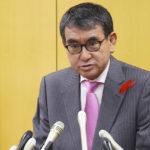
110 106
111 100
71 98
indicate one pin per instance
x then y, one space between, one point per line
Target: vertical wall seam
56 38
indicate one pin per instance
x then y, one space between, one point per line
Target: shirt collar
101 78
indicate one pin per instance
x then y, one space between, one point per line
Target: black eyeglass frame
85 45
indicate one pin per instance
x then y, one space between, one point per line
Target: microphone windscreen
54 133
13 148
30 144
58 127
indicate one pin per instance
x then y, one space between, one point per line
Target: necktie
91 109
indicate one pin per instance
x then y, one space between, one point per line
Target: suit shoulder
57 80
135 72
58 75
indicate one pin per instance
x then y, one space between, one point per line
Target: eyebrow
72 41
76 41
93 39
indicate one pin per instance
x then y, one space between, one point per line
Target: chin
89 76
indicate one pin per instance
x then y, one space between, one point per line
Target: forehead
81 35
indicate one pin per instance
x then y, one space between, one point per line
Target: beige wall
27 52
31 47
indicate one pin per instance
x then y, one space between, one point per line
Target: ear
112 39
64 43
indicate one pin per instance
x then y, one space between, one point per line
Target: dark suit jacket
126 116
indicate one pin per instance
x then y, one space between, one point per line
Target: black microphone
27 135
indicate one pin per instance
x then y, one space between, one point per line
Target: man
123 93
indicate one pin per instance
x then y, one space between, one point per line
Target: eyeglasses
91 46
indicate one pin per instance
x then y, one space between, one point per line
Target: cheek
102 58
105 51
73 59
99 56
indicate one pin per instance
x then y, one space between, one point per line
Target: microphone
107 144
82 124
27 135
54 133
30 144
13 148
105 135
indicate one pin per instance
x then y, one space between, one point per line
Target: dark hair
86 16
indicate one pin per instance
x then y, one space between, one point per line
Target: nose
85 55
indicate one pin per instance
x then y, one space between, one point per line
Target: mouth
86 67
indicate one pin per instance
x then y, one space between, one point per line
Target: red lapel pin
125 86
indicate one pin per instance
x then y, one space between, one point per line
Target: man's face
89 64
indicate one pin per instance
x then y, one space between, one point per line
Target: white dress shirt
98 91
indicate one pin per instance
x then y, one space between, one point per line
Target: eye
92 43
74 46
